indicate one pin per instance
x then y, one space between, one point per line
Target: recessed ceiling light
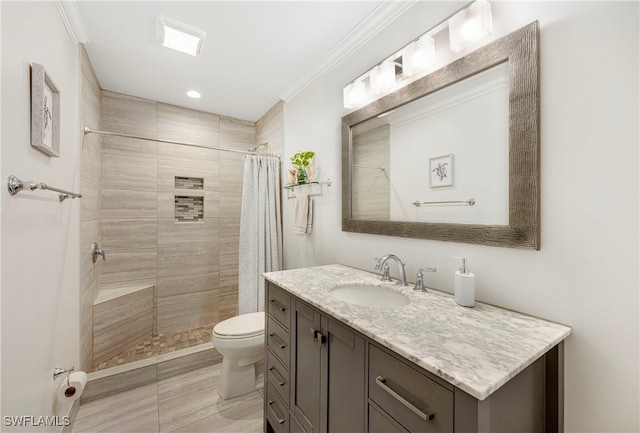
193 94
180 36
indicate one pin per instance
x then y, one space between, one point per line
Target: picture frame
441 171
45 112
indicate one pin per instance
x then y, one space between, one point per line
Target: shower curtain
260 230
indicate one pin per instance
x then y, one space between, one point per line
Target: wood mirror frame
520 50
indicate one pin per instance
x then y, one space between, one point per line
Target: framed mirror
452 156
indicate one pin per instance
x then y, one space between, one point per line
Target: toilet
240 341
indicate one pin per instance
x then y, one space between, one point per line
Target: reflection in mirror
396 156
452 156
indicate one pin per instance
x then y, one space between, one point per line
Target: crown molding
72 20
383 15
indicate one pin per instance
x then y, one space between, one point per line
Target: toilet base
236 379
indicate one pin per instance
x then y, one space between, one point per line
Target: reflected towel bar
469 202
370 166
15 185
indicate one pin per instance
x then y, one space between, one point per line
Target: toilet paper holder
58 371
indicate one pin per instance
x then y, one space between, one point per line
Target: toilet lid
241 326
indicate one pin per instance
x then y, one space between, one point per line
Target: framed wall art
45 112
441 171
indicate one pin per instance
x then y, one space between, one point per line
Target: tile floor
160 344
186 403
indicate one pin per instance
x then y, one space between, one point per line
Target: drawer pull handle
273 412
380 382
278 305
277 340
275 373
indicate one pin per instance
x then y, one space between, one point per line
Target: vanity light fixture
418 56
383 77
466 27
470 25
193 94
354 94
180 36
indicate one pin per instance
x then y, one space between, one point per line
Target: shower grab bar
469 202
15 185
88 130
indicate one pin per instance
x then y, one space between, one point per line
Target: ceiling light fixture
180 36
193 94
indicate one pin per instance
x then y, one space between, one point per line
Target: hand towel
301 214
309 217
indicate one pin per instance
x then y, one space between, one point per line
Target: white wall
40 242
586 273
480 163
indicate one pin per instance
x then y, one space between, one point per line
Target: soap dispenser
465 285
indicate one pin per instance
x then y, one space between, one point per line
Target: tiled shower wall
192 265
371 191
90 228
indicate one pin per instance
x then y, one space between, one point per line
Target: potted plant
301 160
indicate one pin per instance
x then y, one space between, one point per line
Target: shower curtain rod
88 130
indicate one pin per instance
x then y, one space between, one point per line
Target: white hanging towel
310 216
302 214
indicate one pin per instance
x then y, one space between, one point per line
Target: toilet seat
240 327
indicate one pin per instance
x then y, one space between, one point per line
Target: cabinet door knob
320 339
317 337
380 381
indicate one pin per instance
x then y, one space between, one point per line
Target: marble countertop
476 349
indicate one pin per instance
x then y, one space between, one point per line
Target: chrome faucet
402 275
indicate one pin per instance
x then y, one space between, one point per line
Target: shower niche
189 206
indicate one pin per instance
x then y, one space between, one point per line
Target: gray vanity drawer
379 423
412 399
279 305
276 411
278 340
278 376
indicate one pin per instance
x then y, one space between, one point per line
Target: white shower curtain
260 230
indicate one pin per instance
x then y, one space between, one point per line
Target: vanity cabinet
323 376
327 373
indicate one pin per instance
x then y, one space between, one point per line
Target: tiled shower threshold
159 345
113 380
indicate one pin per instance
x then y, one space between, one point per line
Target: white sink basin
369 295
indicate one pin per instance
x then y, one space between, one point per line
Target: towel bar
15 185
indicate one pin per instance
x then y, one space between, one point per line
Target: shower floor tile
159 345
